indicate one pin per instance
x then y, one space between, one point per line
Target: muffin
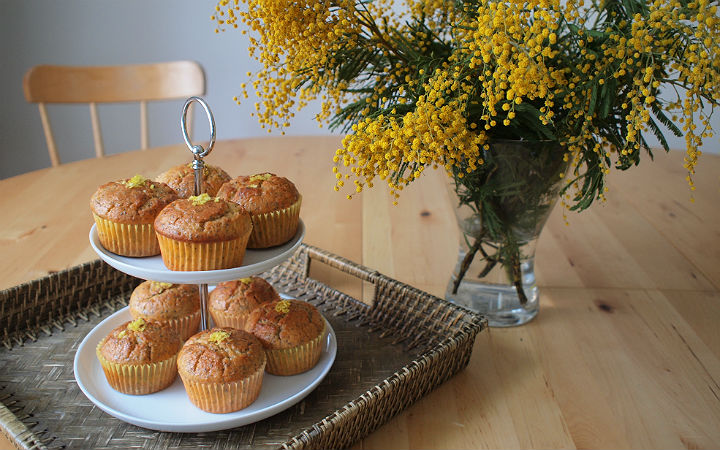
182 179
222 369
292 333
139 357
124 212
174 305
273 203
231 302
202 233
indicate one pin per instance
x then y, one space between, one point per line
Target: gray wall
103 32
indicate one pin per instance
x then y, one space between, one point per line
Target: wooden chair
110 84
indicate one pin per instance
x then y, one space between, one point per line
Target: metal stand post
198 165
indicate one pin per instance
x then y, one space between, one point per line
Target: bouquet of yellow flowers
436 83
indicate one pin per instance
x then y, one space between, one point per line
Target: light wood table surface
625 352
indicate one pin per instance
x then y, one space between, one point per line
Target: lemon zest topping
202 199
137 325
136 181
122 334
283 306
160 286
252 185
261 177
218 336
247 280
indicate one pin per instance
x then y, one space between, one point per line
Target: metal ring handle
197 150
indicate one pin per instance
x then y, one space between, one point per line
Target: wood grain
626 349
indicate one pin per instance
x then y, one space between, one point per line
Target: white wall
104 32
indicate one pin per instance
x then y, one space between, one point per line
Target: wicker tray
390 354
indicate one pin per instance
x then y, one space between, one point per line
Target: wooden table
625 351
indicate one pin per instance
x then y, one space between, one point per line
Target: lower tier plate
170 409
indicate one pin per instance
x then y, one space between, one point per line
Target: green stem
369 22
466 264
513 267
491 262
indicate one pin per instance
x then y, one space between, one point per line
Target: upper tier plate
153 268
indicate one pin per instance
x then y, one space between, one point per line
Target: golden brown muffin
222 369
174 305
202 233
139 357
182 179
231 302
292 333
124 212
272 201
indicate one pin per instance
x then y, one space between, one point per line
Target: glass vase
501 209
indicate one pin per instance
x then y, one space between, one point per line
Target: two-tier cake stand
170 409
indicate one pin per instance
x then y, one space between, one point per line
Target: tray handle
340 263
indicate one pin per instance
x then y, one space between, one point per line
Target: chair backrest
110 84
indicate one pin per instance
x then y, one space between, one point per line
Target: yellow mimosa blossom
432 83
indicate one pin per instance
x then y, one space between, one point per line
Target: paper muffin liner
138 379
276 227
291 361
224 397
185 326
126 239
185 256
226 319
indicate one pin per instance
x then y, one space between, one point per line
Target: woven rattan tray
391 351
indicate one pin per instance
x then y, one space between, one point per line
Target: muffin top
285 323
241 296
140 342
133 200
221 355
260 194
203 218
164 301
182 179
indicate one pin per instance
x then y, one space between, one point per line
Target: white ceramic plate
170 409
153 268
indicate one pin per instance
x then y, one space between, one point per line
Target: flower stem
517 281
465 265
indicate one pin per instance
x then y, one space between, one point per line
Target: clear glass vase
501 209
